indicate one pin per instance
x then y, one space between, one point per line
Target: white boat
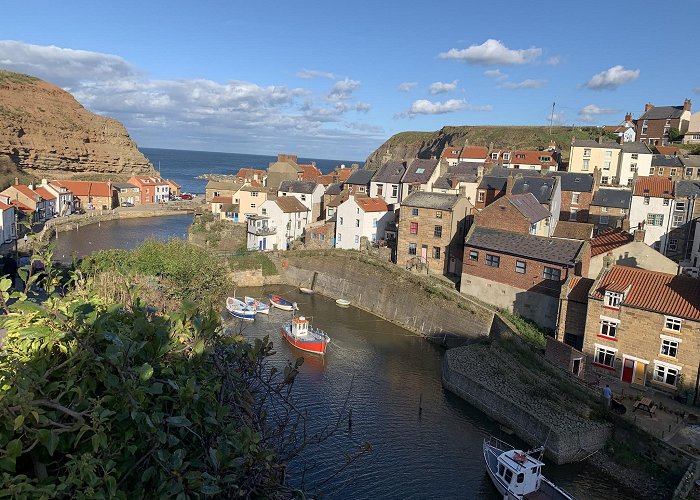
307 291
302 335
343 302
517 474
240 309
281 303
259 306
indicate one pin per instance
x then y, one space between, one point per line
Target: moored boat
259 306
281 303
302 335
239 309
343 302
307 291
517 474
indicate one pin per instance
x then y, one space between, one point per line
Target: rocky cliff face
47 133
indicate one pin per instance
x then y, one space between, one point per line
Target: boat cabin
518 472
300 326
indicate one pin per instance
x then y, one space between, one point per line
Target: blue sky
332 80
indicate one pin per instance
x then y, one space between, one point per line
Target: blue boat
282 303
259 306
240 309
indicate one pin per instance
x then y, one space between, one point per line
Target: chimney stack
16 181
687 104
608 260
628 117
639 232
648 106
509 184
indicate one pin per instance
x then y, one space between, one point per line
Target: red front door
628 370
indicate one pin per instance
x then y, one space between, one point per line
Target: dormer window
506 156
613 299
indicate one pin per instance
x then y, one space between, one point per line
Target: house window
330 211
437 232
436 253
438 214
613 299
669 346
473 255
603 220
608 153
551 273
394 191
322 237
652 170
573 214
689 172
374 222
414 228
252 205
646 200
506 156
480 196
666 202
341 221
678 220
303 197
635 156
357 222
673 324
655 219
357 210
362 189
411 249
644 132
674 171
605 179
587 152
608 327
574 198
661 171
680 206
666 374
605 356
380 189
263 211
254 194
633 167
357 238
414 212
493 260
585 166
520 266
606 165
340 237
673 245
420 170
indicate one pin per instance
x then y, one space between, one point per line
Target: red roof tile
45 193
309 172
653 291
654 186
325 180
668 150
25 190
21 206
87 188
372 204
475 152
609 240
452 153
4 206
344 174
527 157
222 199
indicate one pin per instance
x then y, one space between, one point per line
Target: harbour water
184 166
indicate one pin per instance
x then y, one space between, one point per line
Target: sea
184 166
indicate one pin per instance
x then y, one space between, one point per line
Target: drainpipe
671 201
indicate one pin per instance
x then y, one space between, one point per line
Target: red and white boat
302 335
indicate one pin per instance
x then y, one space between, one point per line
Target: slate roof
124 185
438 201
573 181
653 291
303 187
443 182
541 187
588 143
573 230
691 160
391 172
635 147
290 204
529 206
495 183
555 250
360 177
662 113
461 172
609 240
579 288
500 172
334 189
613 198
666 161
685 189
419 171
654 187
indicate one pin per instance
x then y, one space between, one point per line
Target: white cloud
556 118
407 86
553 61
590 112
441 87
310 74
496 74
612 78
525 84
426 107
697 90
343 90
199 113
491 53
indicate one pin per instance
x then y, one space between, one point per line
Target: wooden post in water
420 405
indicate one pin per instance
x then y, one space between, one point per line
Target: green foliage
674 134
244 260
185 271
104 401
527 329
17 78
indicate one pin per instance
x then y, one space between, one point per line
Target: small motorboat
281 303
302 335
343 302
240 309
259 306
517 474
307 291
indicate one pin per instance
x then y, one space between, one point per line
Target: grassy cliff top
17 78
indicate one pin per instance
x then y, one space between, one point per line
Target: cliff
408 145
46 133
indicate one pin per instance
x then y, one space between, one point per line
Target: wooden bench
647 405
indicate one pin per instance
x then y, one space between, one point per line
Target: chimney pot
687 104
16 181
628 117
648 106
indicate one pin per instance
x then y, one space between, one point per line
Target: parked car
186 196
127 204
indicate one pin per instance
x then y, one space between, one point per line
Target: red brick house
576 195
152 189
654 125
521 272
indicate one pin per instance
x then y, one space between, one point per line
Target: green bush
527 329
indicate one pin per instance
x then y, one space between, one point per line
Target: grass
17 78
527 329
245 260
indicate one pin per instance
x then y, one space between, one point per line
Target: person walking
607 394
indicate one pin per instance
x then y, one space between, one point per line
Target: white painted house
309 193
261 234
386 183
358 217
288 216
8 230
635 158
652 209
64 197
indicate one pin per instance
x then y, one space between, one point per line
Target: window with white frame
689 172
669 346
575 197
678 220
480 196
473 255
672 323
666 202
647 199
605 179
608 153
586 165
613 299
680 206
606 165
493 260
394 191
652 170
633 167
605 356
674 171
666 373
608 327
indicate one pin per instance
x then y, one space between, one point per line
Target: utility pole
551 119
